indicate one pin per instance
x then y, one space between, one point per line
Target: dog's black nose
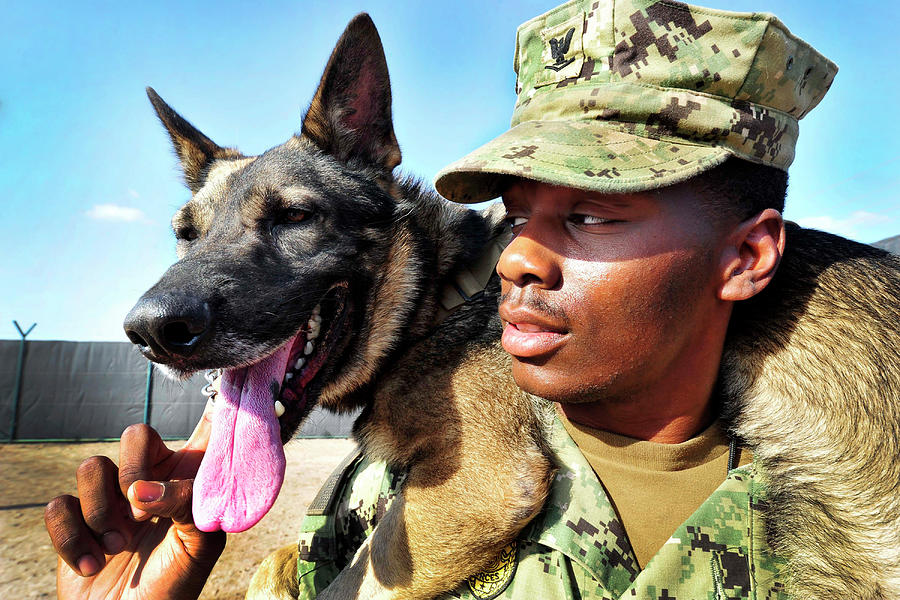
168 324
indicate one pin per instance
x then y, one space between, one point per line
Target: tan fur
276 577
813 371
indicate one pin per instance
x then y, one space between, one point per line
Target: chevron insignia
558 48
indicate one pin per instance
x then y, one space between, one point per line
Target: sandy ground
32 474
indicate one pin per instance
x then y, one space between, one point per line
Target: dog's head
279 257
281 246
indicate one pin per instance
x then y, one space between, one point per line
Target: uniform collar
578 519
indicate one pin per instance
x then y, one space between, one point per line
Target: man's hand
130 533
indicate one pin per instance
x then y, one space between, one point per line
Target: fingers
169 499
140 450
84 529
71 538
173 500
105 510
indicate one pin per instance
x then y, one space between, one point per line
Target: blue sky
89 181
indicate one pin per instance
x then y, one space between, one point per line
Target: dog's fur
811 372
811 376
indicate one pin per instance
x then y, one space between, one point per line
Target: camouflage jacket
576 547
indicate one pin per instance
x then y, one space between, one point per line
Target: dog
313 275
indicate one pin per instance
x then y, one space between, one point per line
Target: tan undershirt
655 487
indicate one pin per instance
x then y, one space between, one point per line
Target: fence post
17 390
148 392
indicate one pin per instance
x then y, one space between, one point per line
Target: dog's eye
187 234
293 215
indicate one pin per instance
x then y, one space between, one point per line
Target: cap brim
589 155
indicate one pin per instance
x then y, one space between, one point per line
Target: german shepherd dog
312 275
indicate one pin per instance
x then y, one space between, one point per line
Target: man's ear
195 151
752 255
350 114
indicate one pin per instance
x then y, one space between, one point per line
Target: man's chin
565 386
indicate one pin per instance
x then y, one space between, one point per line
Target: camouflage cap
628 95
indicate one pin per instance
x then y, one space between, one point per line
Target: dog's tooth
300 362
309 348
313 332
317 318
316 310
279 408
288 376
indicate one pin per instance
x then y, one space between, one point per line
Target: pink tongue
243 468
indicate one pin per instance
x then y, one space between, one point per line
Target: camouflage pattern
628 95
576 547
329 540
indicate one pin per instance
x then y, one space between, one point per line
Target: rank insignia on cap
492 581
558 49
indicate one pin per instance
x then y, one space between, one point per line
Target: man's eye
516 221
590 220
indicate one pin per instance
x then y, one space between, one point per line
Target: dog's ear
350 114
195 151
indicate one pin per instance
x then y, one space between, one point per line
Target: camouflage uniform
576 547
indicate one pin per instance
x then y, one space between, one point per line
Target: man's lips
528 334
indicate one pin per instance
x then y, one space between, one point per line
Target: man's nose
526 261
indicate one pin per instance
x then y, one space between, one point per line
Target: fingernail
113 542
148 491
138 514
88 565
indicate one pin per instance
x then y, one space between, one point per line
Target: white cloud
849 226
114 212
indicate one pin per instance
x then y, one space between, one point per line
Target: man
644 177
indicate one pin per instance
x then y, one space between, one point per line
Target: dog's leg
276 577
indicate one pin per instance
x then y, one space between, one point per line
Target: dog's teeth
316 310
313 332
309 348
279 408
316 318
288 376
300 362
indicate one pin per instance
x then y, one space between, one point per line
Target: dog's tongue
243 468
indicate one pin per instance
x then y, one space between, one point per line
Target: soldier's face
605 295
